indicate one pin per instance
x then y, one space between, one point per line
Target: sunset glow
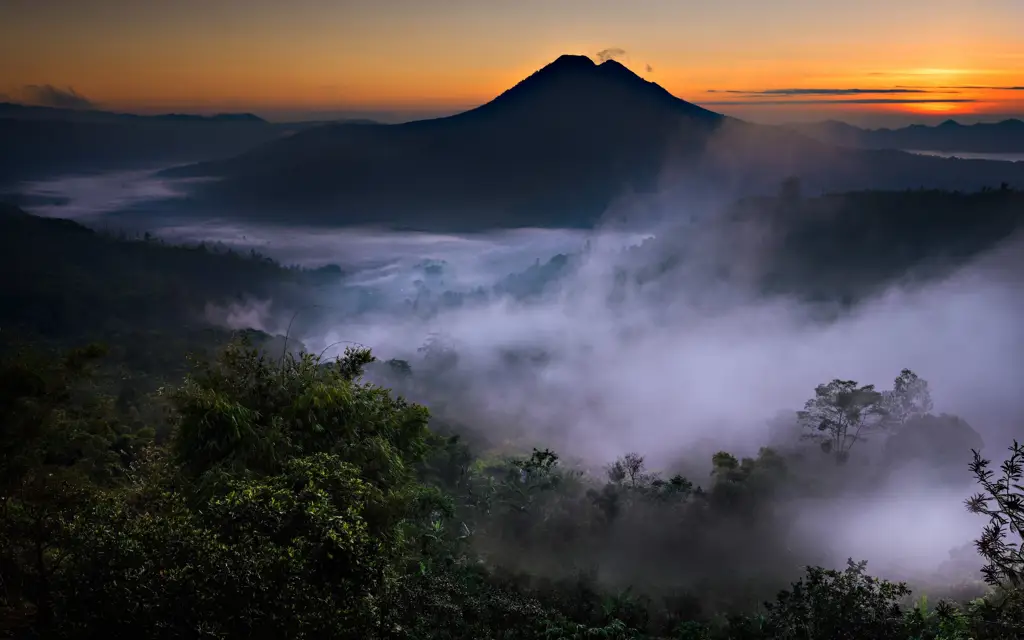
754 59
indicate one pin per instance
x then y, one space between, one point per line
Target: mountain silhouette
1006 136
558 145
36 112
573 83
560 148
39 142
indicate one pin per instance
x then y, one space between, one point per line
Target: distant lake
967 155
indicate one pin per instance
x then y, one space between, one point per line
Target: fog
656 374
687 367
130 200
676 368
94 198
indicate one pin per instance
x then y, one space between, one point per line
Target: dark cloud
979 86
821 92
610 54
650 69
48 95
739 103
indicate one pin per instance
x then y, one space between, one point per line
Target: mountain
44 141
985 137
559 144
560 148
35 112
358 121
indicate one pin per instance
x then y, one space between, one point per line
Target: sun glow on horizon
951 108
362 56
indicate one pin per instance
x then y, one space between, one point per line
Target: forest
166 478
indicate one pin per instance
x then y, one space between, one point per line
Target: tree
629 467
249 414
839 605
300 554
59 443
838 414
741 485
289 498
909 398
1002 500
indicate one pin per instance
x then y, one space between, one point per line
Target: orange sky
305 57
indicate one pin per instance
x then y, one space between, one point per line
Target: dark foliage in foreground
294 500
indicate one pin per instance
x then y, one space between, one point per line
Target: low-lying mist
676 365
694 362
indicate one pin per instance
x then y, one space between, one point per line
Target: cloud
979 86
840 101
610 54
821 92
650 69
48 95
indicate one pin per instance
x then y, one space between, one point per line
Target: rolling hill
558 149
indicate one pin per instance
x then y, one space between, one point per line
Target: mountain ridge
22 111
1004 136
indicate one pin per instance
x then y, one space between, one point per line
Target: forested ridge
255 491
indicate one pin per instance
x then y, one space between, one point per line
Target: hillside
65 284
556 150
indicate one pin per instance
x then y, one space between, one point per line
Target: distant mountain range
34 112
44 141
950 136
560 148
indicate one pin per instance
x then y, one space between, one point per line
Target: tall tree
909 398
1002 500
839 414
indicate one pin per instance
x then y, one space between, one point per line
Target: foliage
1002 501
838 413
250 413
837 604
909 399
293 555
295 500
60 441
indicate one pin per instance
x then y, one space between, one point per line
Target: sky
868 62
